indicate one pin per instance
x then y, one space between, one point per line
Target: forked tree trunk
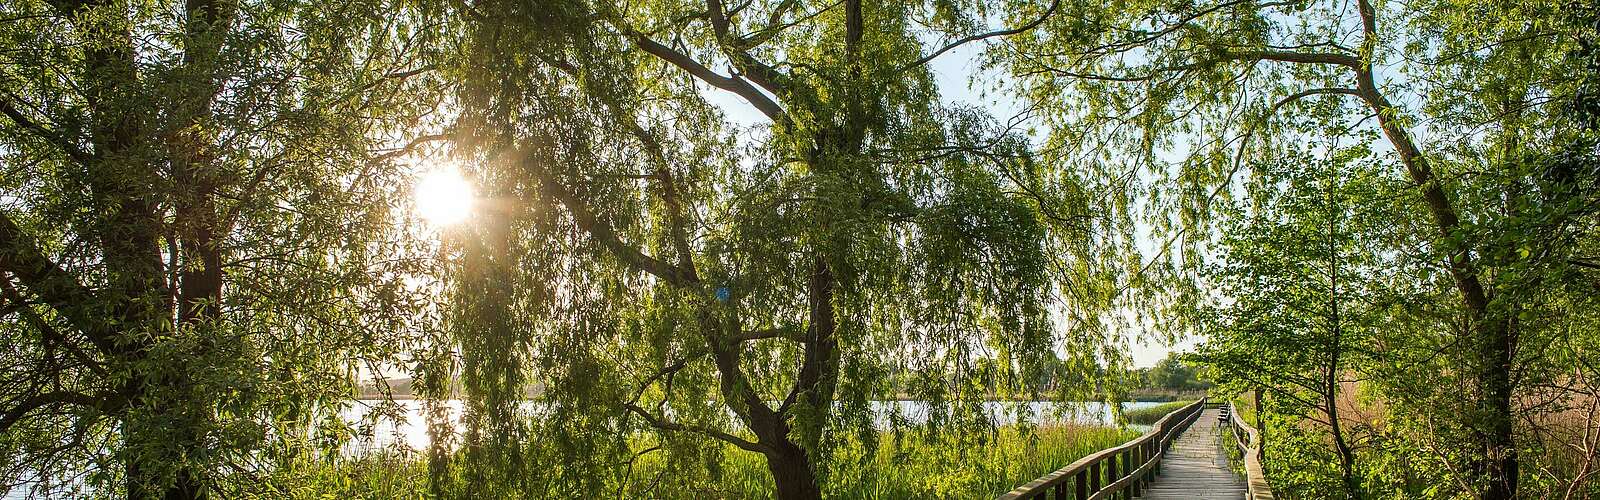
792 473
788 461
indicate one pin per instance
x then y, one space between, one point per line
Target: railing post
1155 454
1061 491
1094 478
1082 480
1133 468
1115 472
1143 455
1119 468
1134 463
1157 449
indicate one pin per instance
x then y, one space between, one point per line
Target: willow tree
1187 94
192 217
656 272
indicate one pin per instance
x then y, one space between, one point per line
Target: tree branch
783 332
72 150
20 256
1249 132
775 24
665 371
677 427
604 233
973 38
411 146
49 332
1289 56
662 174
752 69
28 405
729 83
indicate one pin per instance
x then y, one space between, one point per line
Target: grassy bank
917 467
1149 415
908 465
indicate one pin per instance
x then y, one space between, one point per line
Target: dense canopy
686 249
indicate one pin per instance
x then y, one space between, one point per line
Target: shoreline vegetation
1150 415
400 390
900 464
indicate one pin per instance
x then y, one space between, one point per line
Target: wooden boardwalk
1197 465
1185 455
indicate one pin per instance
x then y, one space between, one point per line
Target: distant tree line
1175 372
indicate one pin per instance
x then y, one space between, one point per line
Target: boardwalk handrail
1110 471
1255 476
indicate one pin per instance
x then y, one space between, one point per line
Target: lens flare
444 197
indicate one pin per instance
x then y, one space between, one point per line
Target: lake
413 432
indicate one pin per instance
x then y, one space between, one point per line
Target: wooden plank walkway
1197 465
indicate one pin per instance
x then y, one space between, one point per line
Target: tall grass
914 465
910 464
1247 411
1150 415
383 474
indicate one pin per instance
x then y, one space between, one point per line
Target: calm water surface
406 424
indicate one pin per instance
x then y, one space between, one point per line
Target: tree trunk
1335 352
137 283
788 458
1261 426
1499 466
1342 447
791 471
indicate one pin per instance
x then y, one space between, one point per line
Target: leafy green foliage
203 239
902 465
1460 113
711 235
657 271
1302 277
1175 373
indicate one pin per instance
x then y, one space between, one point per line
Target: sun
444 197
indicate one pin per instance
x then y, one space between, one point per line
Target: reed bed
906 464
1149 415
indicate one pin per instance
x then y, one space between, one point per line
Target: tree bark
130 238
1261 425
792 474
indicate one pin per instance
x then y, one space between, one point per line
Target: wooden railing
1124 471
1248 439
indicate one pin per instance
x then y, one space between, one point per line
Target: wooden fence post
1138 462
1082 480
1094 478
